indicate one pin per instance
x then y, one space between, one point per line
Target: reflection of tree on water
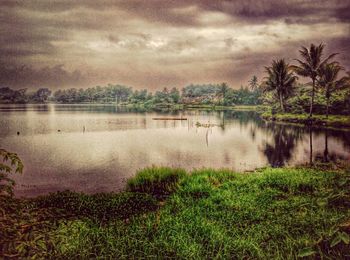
223 115
311 146
244 118
327 156
325 153
280 150
284 137
207 138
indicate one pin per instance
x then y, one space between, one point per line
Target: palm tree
280 80
328 81
253 83
310 66
222 90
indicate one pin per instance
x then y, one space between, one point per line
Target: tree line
208 94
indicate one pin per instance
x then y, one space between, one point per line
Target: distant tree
280 81
231 97
310 66
162 96
253 83
328 81
200 90
41 95
143 95
121 93
8 95
138 96
81 96
222 90
72 95
175 95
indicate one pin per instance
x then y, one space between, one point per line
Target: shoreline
152 106
336 121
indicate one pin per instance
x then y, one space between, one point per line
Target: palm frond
327 59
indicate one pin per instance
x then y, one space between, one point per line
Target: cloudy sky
160 43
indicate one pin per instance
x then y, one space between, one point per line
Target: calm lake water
96 148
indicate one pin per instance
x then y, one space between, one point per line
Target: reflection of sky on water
117 142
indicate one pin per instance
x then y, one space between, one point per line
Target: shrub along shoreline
166 212
317 120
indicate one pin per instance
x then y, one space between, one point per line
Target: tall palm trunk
327 104
281 102
312 97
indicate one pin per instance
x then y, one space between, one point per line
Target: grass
268 214
157 181
332 120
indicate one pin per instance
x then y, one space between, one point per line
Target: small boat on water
169 118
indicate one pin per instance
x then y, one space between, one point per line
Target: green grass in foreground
158 181
332 120
269 214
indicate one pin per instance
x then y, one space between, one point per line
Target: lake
96 148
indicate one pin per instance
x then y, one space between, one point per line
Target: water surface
96 148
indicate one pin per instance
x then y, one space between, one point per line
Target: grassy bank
271 213
321 120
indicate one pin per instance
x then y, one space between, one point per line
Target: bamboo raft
169 118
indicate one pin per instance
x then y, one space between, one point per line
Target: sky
160 43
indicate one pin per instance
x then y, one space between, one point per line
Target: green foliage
332 120
311 66
10 163
157 181
243 96
8 95
323 95
192 91
329 82
175 95
40 96
221 95
280 81
253 83
110 93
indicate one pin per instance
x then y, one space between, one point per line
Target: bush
10 163
158 181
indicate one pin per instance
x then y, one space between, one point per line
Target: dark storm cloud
248 10
180 12
28 77
151 43
341 45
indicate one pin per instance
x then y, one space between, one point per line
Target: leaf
336 241
306 252
343 182
344 237
333 230
322 202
